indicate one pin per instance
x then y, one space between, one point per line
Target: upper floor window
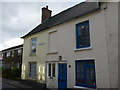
82 35
4 54
1 54
33 45
52 41
19 52
8 54
12 53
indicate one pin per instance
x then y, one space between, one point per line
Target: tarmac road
6 83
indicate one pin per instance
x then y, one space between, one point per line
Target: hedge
11 73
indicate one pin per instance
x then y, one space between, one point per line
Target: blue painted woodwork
85 73
82 35
62 75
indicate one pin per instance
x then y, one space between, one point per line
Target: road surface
6 83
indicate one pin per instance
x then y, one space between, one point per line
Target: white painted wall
99 50
118 43
39 57
111 17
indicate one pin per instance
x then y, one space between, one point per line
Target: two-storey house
78 47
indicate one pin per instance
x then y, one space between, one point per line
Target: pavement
25 84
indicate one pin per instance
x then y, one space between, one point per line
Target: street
6 83
22 84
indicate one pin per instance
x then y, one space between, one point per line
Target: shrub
15 72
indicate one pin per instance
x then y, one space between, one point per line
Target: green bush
15 72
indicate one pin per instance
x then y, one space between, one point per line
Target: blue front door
62 75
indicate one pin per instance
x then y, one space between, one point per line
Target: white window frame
19 52
8 54
51 70
32 45
13 53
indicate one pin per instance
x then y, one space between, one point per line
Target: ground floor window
32 69
85 73
51 69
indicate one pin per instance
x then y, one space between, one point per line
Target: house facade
77 48
34 56
1 58
34 52
12 57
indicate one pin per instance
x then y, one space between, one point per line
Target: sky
18 18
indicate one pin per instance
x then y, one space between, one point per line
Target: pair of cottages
75 48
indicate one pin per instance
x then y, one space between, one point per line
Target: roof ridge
13 47
67 9
66 15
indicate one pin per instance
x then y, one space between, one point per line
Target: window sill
32 54
52 52
84 88
32 78
51 77
51 31
81 49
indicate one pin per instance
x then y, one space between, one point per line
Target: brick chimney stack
46 13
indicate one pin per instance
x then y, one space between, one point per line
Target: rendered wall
39 57
98 51
111 15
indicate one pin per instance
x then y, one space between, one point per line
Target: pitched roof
67 15
13 47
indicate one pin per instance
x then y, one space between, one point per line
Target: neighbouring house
1 58
77 48
12 57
